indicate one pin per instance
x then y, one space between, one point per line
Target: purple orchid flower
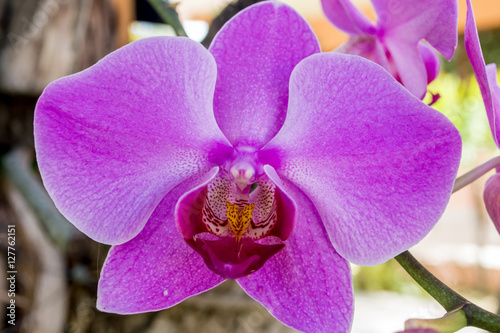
259 160
395 40
487 79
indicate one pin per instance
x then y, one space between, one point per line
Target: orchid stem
169 15
450 322
475 173
446 296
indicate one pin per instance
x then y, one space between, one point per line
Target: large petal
156 269
378 164
410 20
112 140
491 197
345 16
256 52
485 75
307 285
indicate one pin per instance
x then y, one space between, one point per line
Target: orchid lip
231 259
228 219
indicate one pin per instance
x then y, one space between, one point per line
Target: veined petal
156 269
491 197
378 164
113 140
345 16
307 285
256 52
486 75
432 20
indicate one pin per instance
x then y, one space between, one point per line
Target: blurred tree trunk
41 41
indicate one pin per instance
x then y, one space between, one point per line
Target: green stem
449 323
445 296
169 15
449 299
475 173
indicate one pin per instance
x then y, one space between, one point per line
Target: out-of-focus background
57 267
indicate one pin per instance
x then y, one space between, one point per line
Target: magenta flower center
238 219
